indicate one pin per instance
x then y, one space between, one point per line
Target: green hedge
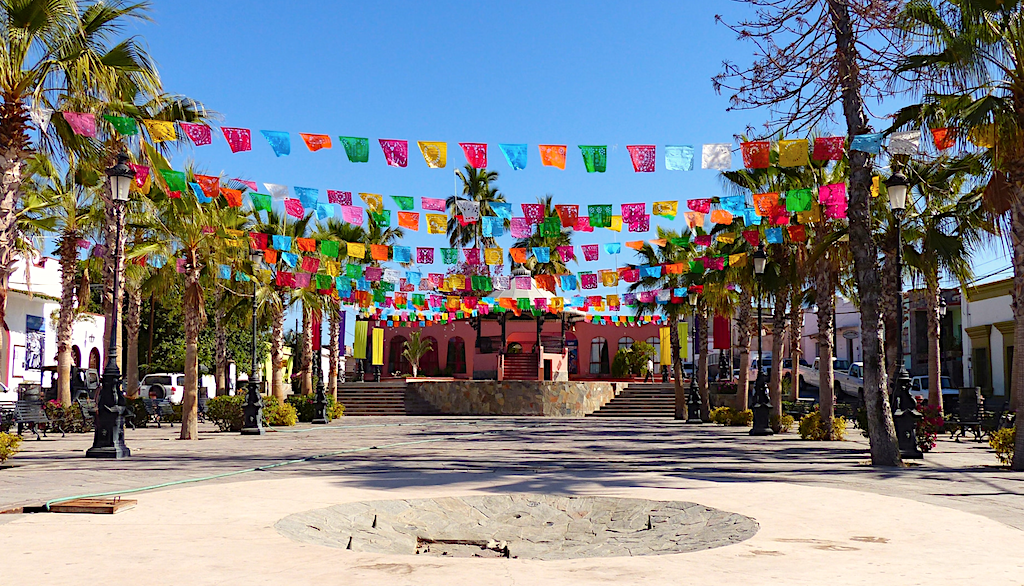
226 412
305 405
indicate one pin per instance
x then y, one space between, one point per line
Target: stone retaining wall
483 397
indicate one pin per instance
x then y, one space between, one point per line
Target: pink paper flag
250 184
472 255
425 255
566 253
476 153
699 205
396 152
199 134
524 283
301 280
752 236
293 207
591 251
583 224
643 157
239 139
703 240
339 197
81 123
588 280
780 217
432 204
534 212
352 215
179 264
631 212
642 224
520 228
141 174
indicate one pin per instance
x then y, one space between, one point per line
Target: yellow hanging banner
616 224
610 278
738 260
374 201
556 304
356 250
493 256
667 209
726 238
359 343
983 136
666 346
793 153
684 348
811 216
876 184
437 224
378 347
434 153
160 130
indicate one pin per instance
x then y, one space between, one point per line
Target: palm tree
476 186
555 266
972 52
53 49
676 308
415 349
339 232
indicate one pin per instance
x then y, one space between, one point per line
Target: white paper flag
41 117
904 143
279 192
392 276
470 210
500 282
716 156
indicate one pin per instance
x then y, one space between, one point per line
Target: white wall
985 312
847 320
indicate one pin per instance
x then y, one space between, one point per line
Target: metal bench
159 410
31 414
88 407
969 416
6 415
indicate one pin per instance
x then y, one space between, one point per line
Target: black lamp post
320 398
693 401
108 439
762 407
904 406
252 408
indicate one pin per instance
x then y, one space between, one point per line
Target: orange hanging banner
552 155
409 220
315 142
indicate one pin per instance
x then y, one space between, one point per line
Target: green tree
537 239
476 187
415 349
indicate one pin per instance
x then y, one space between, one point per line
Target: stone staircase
520 367
640 400
383 398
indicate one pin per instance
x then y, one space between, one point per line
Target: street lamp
904 406
693 401
108 438
252 408
762 402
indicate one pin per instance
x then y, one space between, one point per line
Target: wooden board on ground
104 506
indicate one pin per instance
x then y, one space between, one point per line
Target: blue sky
571 73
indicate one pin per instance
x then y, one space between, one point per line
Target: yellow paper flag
666 346
876 184
667 209
160 131
738 260
356 250
793 153
359 343
556 304
983 136
727 238
434 153
616 224
811 216
374 201
610 278
378 346
493 256
437 224
332 268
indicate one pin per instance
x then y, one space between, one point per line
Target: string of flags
644 158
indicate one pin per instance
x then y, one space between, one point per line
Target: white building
847 335
987 318
29 333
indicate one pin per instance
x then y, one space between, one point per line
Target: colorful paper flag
665 209
124 125
679 157
293 208
716 156
434 153
595 157
793 153
239 139
600 215
339 197
568 214
591 252
356 149
868 143
756 154
904 143
396 152
476 153
552 155
643 157
437 224
699 205
81 123
409 220
352 215
828 148
515 155
374 201
315 142
160 130
279 141
199 134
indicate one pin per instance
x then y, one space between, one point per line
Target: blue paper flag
750 217
680 292
733 204
612 247
324 211
200 196
542 253
279 141
493 226
515 154
282 242
773 235
223 272
413 278
868 143
290 258
502 209
307 195
578 301
649 271
401 253
569 282
157 261
362 284
241 277
679 157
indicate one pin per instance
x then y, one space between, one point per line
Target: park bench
31 414
969 415
6 415
88 407
159 410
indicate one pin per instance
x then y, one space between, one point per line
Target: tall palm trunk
934 346
277 362
13 145
68 251
889 300
778 335
1017 373
796 334
679 410
745 325
881 430
306 367
702 363
132 326
220 348
192 304
332 353
825 287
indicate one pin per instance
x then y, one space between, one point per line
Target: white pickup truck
847 378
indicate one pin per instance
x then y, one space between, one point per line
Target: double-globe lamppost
108 438
252 407
762 406
693 400
904 406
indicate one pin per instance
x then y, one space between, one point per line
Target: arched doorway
94 359
428 364
76 356
456 362
599 363
397 362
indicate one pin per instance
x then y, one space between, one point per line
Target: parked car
919 388
787 366
851 381
814 375
165 385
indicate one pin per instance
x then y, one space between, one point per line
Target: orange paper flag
635 244
660 242
234 196
315 142
721 217
518 254
410 220
306 244
552 155
379 251
765 203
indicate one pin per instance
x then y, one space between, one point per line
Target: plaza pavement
824 514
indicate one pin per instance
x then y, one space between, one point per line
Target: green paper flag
595 158
600 215
378 296
357 149
123 125
799 200
382 219
449 256
324 281
697 266
260 201
175 179
329 248
681 242
523 303
386 286
353 271
551 227
404 202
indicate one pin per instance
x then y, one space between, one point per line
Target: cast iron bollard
252 409
905 415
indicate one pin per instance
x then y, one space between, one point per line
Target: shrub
726 388
69 419
274 413
782 425
335 409
929 427
811 428
226 412
1002 442
9 444
305 405
729 416
137 407
721 416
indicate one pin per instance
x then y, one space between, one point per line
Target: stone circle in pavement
526 526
